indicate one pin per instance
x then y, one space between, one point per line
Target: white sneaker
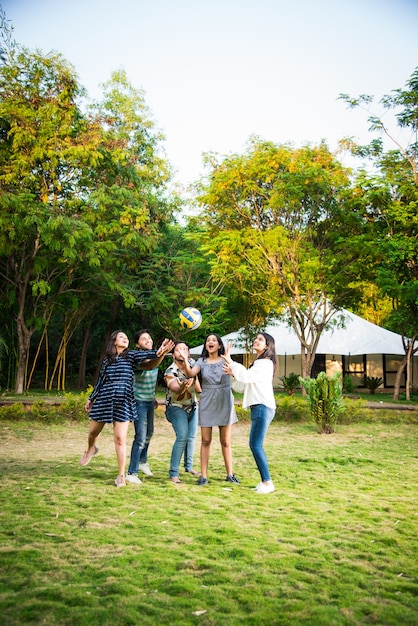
263 488
144 468
133 478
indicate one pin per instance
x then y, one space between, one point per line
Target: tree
82 197
6 30
394 210
178 275
268 213
45 144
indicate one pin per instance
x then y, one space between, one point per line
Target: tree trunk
399 373
83 356
23 340
306 366
409 354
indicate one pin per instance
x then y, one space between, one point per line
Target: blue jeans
144 430
184 424
261 416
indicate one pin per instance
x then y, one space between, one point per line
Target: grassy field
336 544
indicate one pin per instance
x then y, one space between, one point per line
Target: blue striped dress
113 394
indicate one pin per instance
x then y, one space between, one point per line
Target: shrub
290 383
243 415
348 384
291 408
325 400
14 412
371 382
355 411
71 408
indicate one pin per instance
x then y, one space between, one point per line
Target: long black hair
221 349
111 352
270 350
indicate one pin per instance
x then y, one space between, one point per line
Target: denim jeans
261 416
144 430
184 424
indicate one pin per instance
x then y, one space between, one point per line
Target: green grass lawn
335 544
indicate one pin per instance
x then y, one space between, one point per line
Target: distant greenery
290 383
52 407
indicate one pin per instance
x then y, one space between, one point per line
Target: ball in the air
190 318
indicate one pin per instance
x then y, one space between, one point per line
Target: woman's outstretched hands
227 358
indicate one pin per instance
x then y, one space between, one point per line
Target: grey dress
216 406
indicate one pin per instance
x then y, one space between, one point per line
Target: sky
216 72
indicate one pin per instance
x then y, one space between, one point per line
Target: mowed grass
335 544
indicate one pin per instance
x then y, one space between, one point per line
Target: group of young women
213 376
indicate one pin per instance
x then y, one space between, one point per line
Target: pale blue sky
216 72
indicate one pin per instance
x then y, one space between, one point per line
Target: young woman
257 385
181 411
112 399
216 406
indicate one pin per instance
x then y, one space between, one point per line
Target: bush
71 408
14 412
325 400
290 383
371 382
355 411
348 384
243 415
291 408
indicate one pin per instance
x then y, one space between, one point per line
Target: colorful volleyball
190 318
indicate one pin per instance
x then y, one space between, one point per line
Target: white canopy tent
355 347
356 337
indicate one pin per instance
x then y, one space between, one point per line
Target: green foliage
371 382
390 200
272 216
14 412
71 408
348 384
243 415
290 383
292 408
82 199
325 400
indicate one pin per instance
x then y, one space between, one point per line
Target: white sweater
256 382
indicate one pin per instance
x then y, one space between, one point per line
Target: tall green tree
45 145
178 275
394 209
82 197
265 213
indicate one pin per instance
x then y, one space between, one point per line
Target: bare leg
225 439
95 430
120 432
206 433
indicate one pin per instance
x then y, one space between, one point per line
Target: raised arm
261 370
150 364
190 371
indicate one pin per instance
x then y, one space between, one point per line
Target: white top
256 382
